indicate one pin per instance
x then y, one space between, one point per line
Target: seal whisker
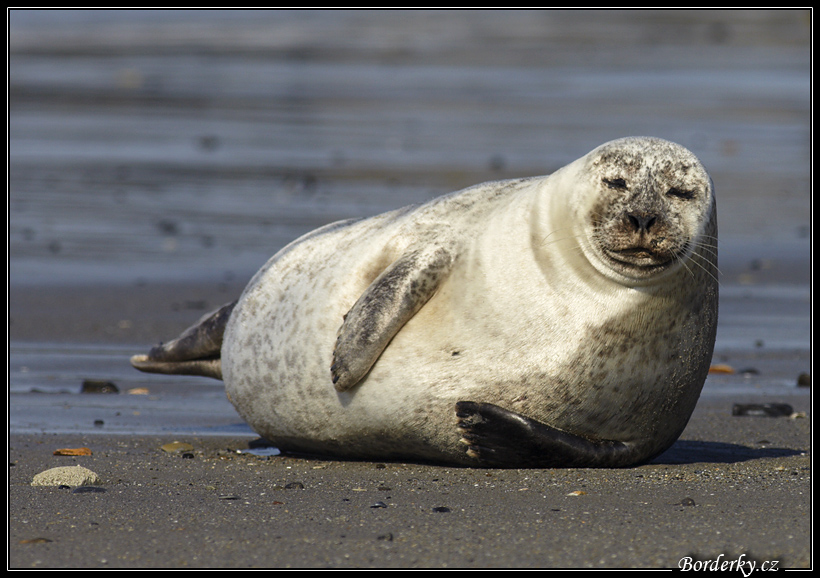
708 252
544 243
694 260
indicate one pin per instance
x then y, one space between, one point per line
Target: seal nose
641 221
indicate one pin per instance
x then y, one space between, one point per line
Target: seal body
566 320
513 303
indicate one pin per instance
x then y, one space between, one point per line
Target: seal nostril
641 222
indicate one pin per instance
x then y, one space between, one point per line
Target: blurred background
176 144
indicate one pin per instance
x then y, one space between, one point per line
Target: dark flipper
195 352
383 309
497 437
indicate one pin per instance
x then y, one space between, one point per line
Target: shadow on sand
690 452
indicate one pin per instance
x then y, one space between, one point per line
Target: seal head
647 205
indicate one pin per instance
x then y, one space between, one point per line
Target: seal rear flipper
195 352
204 367
381 311
497 437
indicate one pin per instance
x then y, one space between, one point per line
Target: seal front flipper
195 352
497 437
385 306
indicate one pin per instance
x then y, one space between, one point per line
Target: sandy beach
157 160
703 499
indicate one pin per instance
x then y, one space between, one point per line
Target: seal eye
680 193
615 183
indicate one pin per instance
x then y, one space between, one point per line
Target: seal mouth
640 261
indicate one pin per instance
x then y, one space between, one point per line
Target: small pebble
687 502
762 409
441 509
168 227
497 162
67 476
209 142
577 493
295 486
379 505
804 380
177 447
721 368
73 452
98 386
748 371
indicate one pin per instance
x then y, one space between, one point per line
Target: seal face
566 320
649 208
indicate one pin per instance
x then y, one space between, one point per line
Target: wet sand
747 494
154 167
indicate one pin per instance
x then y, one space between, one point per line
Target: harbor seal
565 320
